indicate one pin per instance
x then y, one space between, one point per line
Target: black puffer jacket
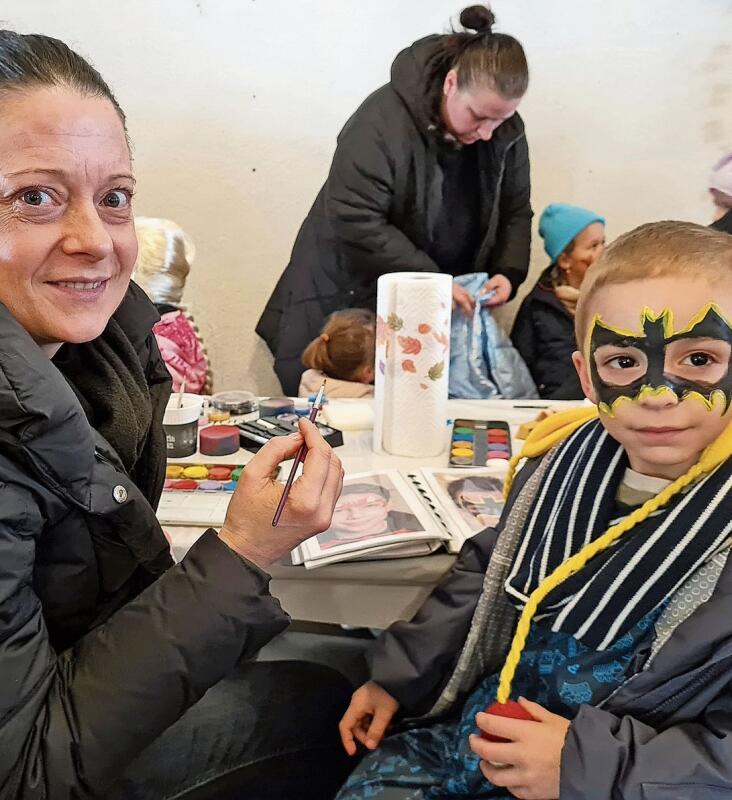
377 210
103 643
543 332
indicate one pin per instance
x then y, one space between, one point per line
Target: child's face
587 248
664 392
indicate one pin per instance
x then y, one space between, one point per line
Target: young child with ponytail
604 594
344 354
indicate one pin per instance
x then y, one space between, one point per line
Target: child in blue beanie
543 331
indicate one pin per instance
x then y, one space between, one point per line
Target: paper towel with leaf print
412 359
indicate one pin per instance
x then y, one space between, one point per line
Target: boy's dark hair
34 61
483 58
346 345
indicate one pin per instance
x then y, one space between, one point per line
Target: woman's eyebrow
62 173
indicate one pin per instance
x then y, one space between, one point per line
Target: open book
391 514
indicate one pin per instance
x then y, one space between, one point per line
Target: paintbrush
181 392
317 405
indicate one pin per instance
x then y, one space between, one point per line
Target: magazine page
384 551
471 499
375 508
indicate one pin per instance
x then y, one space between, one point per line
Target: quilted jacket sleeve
71 721
412 660
609 756
360 188
510 256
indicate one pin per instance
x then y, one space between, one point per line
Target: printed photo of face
479 498
365 510
359 513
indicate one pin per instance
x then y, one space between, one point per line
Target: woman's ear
580 364
365 375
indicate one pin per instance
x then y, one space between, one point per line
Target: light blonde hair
164 259
667 249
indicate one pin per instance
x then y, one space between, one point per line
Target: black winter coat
723 223
103 642
543 332
377 210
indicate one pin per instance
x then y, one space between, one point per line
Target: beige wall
234 106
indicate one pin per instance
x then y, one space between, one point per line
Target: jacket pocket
684 791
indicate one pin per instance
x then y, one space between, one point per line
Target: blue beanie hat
560 223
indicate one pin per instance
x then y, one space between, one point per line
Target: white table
372 594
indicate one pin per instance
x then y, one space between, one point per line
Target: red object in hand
510 709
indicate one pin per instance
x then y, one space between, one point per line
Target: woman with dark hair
123 675
431 174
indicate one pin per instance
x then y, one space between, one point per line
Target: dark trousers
268 731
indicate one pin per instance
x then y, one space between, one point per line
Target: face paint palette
258 432
202 477
478 443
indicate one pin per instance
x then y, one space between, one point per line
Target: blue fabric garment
436 763
483 362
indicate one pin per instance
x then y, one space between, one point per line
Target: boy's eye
698 359
622 362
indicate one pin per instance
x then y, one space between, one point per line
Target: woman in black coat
123 675
431 174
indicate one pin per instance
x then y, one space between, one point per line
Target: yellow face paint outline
656 330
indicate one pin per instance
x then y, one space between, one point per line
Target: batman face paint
693 363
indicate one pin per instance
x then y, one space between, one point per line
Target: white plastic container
181 425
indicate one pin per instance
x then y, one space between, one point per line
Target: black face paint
656 338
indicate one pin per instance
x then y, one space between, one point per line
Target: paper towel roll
412 359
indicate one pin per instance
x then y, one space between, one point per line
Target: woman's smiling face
67 236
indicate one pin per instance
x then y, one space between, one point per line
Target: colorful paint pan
219 473
201 477
197 471
476 442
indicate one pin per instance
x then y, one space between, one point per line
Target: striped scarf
576 504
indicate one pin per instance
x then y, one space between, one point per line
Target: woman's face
471 115
67 237
587 247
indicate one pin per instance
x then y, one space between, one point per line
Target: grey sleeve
607 756
71 721
412 659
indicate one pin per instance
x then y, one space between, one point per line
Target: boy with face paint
657 351
604 594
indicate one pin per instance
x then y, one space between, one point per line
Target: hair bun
477 18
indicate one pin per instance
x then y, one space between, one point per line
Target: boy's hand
532 755
367 718
309 509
